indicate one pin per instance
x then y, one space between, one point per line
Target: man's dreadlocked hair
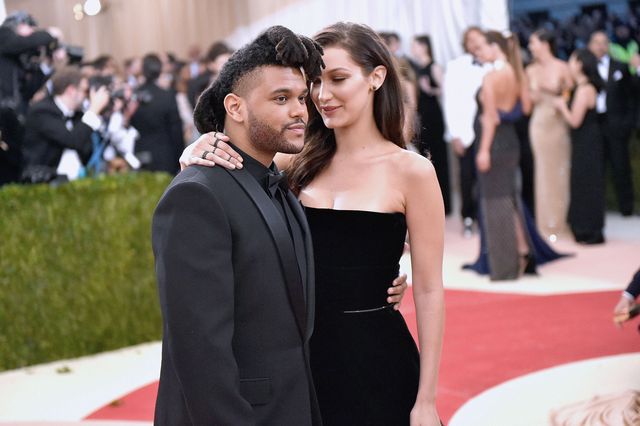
276 46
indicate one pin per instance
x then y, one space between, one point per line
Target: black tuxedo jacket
622 91
234 350
160 128
47 136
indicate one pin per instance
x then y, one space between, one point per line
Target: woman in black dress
586 209
358 186
432 144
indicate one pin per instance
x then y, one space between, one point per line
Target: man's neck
242 141
64 101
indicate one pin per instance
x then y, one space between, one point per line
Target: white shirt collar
66 111
604 60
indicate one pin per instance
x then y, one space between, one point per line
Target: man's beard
267 138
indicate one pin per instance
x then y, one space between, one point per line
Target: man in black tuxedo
616 106
55 124
158 122
233 254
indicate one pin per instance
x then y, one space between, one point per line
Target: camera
137 95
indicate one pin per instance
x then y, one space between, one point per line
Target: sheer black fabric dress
364 360
500 202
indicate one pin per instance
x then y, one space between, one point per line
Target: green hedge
634 153
76 268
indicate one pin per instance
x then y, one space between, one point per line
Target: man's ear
235 107
377 76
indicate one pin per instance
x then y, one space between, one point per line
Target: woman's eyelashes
334 79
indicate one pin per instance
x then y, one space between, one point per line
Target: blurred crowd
63 117
574 32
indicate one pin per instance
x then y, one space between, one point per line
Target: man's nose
299 109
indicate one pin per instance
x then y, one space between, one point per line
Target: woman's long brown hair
510 46
368 50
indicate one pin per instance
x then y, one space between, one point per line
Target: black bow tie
277 180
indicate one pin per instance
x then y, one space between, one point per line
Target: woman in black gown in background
358 186
431 135
587 206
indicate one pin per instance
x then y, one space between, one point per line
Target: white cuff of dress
92 120
628 296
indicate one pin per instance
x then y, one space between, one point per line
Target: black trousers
617 137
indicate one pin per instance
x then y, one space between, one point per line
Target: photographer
55 124
119 137
21 75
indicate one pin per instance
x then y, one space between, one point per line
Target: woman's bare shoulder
412 166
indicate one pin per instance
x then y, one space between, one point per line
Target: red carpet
489 338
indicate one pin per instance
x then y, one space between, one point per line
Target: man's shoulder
215 179
45 105
43 112
200 174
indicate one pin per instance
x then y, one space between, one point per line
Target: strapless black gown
364 360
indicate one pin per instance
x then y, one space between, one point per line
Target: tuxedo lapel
282 239
611 70
296 207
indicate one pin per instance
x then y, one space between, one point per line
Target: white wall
3 10
444 20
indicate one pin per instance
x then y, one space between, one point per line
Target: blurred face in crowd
575 66
622 33
77 94
474 44
537 47
599 44
343 93
24 30
420 50
216 65
276 109
135 68
487 52
394 45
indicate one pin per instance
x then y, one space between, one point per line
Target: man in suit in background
616 107
217 56
233 254
158 122
55 124
462 80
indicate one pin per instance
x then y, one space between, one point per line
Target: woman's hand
211 149
424 414
397 290
483 161
559 103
